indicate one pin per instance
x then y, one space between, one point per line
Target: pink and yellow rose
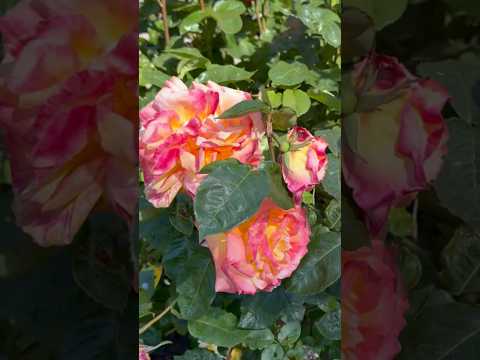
70 120
394 143
374 302
305 163
257 254
180 134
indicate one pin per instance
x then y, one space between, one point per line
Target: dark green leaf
329 325
320 268
244 108
227 73
196 287
462 261
229 195
458 184
217 327
278 192
460 78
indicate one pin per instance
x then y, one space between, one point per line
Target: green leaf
227 73
320 268
400 222
196 287
274 98
333 214
462 262
230 194
296 100
331 183
329 325
284 119
197 354
259 339
273 352
244 108
461 78
327 98
264 308
192 21
289 333
354 231
285 74
382 12
322 21
149 76
458 184
227 14
217 327
278 192
443 332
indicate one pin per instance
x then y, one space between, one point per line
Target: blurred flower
374 302
259 253
71 112
142 354
180 134
304 164
394 143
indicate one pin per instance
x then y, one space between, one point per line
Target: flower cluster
180 133
69 112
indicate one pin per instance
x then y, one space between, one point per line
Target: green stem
270 137
156 318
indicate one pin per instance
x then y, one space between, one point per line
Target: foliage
287 55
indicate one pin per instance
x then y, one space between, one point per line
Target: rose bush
239 231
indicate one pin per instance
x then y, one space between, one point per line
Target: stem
202 5
258 16
166 30
156 318
276 138
415 220
270 137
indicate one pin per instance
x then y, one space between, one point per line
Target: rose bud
257 254
374 302
394 142
180 134
305 162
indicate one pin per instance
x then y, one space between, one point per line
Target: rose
394 143
70 128
305 162
142 354
259 253
373 303
180 134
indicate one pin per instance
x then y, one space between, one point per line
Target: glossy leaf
230 194
320 268
244 108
